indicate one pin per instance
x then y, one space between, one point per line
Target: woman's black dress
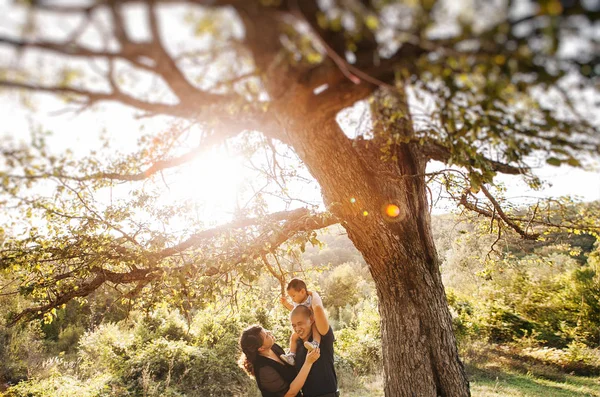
273 378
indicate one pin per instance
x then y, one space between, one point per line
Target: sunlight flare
213 181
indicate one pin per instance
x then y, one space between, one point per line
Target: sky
218 172
215 181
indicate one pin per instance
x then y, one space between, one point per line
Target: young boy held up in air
296 290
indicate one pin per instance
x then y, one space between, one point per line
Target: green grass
515 384
360 386
501 371
495 384
494 372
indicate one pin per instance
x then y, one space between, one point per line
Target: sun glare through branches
213 181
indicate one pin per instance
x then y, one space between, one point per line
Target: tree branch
167 67
94 96
436 151
498 210
118 22
102 276
131 54
296 221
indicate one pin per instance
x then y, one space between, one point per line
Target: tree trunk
419 348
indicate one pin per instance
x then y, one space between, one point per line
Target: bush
61 385
546 297
154 355
358 346
21 352
576 358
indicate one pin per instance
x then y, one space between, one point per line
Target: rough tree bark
419 348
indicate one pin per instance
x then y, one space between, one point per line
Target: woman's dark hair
296 284
250 342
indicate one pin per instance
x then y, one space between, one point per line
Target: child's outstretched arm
321 321
286 303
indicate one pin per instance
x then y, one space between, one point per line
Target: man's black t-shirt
322 378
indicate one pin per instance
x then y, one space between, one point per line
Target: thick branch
168 69
302 221
82 290
296 221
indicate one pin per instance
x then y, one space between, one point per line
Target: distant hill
450 233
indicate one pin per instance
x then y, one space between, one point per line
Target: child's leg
290 358
316 342
293 342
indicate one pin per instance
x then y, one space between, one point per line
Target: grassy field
495 373
515 384
499 384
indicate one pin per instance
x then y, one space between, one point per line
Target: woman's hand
313 356
297 384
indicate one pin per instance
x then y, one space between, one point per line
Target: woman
260 358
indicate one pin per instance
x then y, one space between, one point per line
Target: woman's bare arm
297 384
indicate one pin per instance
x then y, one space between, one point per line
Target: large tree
486 88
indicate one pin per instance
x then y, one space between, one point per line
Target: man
322 380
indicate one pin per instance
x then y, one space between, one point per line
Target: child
296 289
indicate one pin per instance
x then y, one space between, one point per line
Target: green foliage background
540 299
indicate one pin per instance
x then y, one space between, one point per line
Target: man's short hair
301 309
296 284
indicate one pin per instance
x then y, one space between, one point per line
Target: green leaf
475 180
372 22
553 161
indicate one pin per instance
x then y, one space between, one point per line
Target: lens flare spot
392 210
352 200
365 213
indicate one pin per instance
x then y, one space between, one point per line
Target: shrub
21 350
576 358
153 355
358 346
61 385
